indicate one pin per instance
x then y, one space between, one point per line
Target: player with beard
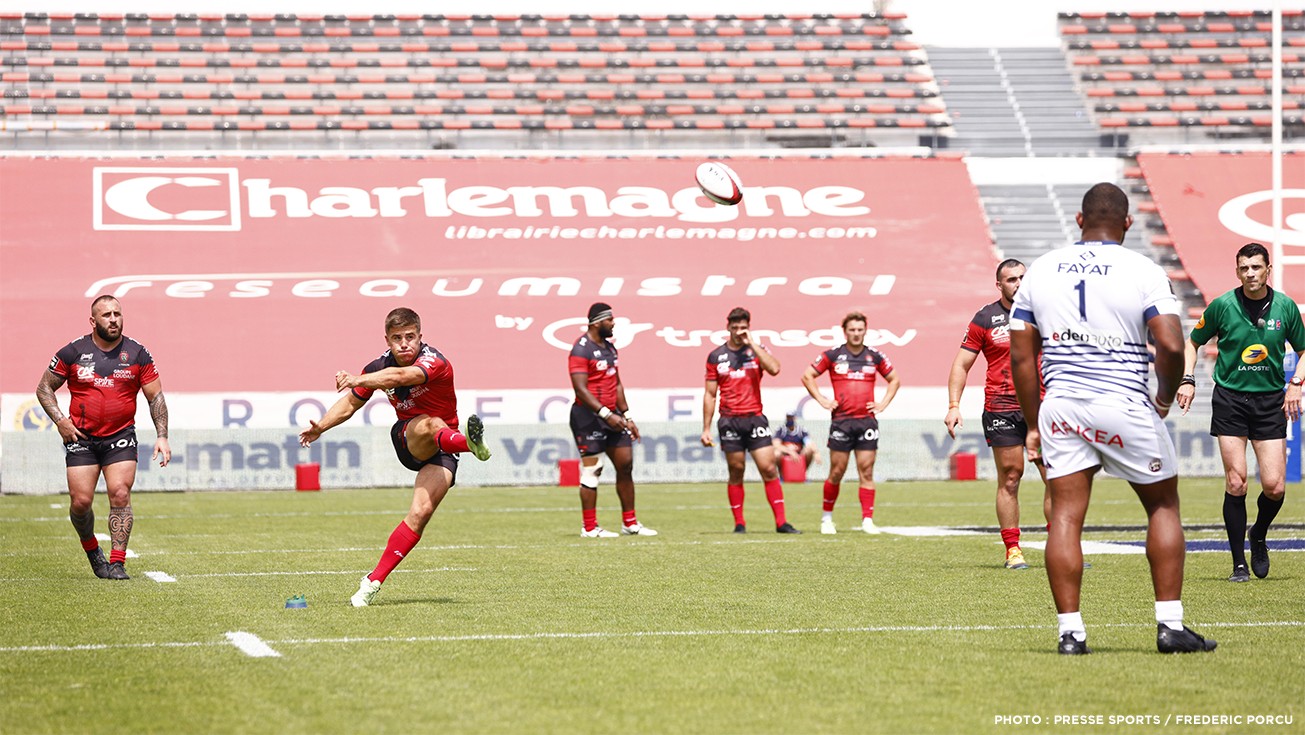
852 368
418 380
601 424
734 371
1003 424
104 371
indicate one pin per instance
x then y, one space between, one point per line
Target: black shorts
101 450
1256 416
848 434
1005 428
743 433
594 435
443 459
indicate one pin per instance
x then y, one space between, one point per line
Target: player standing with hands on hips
1253 323
104 371
854 427
1087 309
418 380
734 370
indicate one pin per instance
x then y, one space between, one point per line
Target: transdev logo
1254 354
166 199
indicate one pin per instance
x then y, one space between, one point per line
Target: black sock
1234 520
1268 511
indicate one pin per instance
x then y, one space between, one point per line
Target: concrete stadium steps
1014 102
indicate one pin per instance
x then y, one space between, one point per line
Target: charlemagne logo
166 199
1254 354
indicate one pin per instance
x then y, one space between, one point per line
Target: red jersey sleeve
577 364
711 369
975 336
148 373
885 365
821 364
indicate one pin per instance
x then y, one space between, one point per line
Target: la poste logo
166 199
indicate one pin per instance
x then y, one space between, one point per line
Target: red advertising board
272 274
1213 203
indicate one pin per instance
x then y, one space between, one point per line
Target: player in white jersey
1087 308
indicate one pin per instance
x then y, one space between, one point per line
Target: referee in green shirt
1253 325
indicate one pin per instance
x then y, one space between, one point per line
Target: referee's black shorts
1256 416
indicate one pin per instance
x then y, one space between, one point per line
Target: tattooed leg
84 524
120 521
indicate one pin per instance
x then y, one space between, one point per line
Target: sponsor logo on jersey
841 368
1087 337
1255 354
1087 433
85 373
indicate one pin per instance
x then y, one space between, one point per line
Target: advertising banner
270 275
1213 203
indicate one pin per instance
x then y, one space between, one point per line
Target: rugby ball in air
719 183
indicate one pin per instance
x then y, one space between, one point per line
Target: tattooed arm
45 394
159 412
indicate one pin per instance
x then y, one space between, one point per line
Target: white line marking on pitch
631 634
251 645
160 576
328 571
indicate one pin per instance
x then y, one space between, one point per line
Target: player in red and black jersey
418 380
852 370
1004 427
734 371
601 424
104 370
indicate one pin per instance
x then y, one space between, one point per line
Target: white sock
1072 623
1169 613
827 515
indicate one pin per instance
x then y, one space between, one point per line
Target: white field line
296 573
599 634
329 571
481 511
251 645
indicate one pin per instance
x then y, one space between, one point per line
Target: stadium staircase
1014 102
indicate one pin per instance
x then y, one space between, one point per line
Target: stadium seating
144 73
1208 71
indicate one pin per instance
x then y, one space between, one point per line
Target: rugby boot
116 571
367 590
1015 558
1071 646
1168 640
1240 574
99 564
786 528
1259 556
740 528
598 532
476 437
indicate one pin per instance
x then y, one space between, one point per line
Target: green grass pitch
504 621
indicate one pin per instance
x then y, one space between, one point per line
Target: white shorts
1128 440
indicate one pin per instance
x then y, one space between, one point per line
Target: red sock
736 501
117 556
1011 537
627 517
590 518
867 502
448 440
775 496
90 544
400 543
831 495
